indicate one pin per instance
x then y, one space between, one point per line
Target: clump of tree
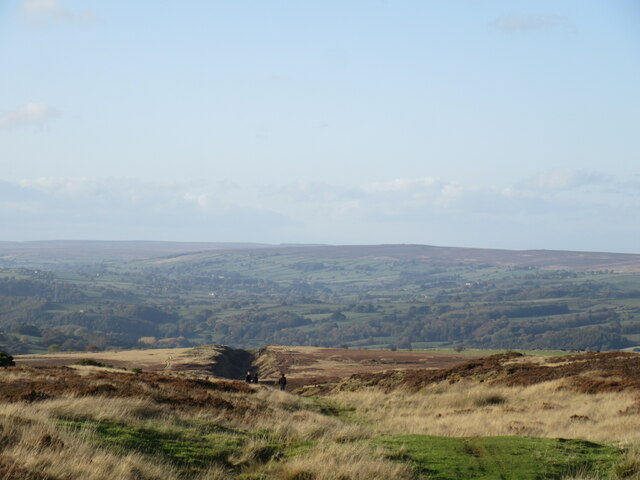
6 360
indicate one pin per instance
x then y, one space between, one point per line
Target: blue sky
480 123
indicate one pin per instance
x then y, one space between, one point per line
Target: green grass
489 458
189 448
192 447
331 408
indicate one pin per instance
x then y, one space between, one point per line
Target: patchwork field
70 296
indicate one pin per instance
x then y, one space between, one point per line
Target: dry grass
629 467
340 462
269 424
103 408
33 447
313 365
155 359
194 360
470 409
292 419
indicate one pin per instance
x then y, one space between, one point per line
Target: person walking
248 378
255 377
282 381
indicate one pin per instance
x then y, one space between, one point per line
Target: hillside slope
585 373
467 421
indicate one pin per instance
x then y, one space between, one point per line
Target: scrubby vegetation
6 360
69 423
471 421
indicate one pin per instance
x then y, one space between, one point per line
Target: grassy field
150 426
508 458
497 417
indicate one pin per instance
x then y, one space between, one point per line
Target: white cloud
24 207
409 199
39 6
201 199
405 210
33 113
453 190
402 185
85 207
566 179
407 194
518 23
132 193
46 12
61 186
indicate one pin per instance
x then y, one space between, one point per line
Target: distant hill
451 256
72 295
85 251
89 251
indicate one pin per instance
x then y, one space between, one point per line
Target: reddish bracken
587 373
41 383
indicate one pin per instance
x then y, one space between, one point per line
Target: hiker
248 379
255 377
282 381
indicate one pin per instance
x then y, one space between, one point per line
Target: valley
71 297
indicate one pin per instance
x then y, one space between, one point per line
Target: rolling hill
77 295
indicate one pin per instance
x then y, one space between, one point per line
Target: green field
365 297
508 458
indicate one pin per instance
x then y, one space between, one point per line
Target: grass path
489 458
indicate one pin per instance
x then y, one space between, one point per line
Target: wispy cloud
48 12
203 200
539 22
556 192
33 113
566 179
404 185
536 212
85 207
109 192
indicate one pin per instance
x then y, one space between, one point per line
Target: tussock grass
41 450
175 428
215 472
103 409
471 409
341 462
629 467
295 418
70 436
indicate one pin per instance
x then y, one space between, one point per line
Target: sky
477 123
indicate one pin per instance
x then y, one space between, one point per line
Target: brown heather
593 397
